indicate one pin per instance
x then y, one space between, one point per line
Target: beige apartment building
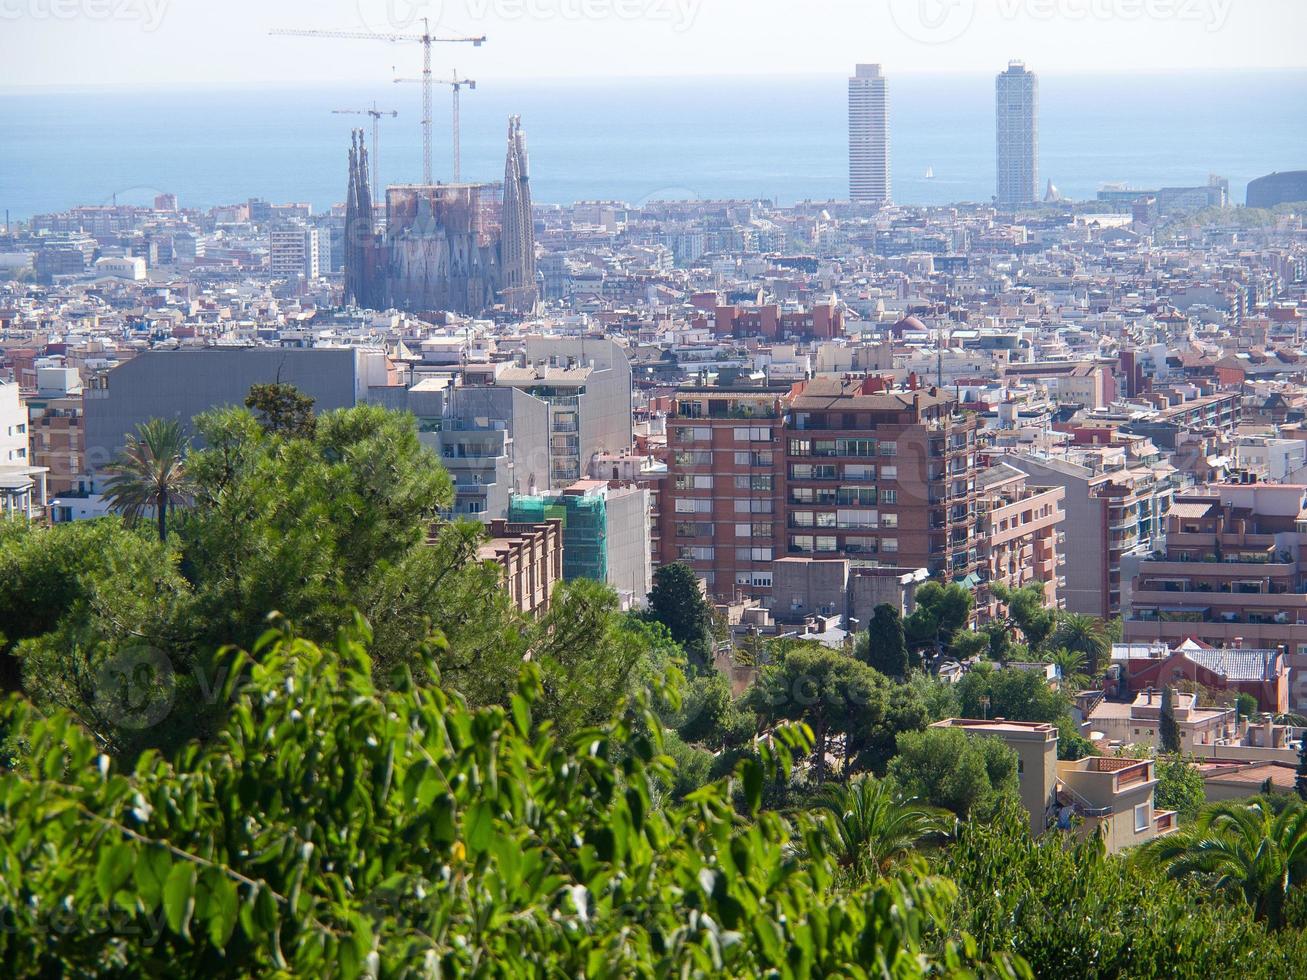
1096 792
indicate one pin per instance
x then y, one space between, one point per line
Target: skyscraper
1017 117
868 136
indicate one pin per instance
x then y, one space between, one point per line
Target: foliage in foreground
334 829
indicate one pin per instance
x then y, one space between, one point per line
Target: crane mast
456 83
426 39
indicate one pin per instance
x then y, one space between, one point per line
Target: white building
13 426
293 252
869 174
130 267
1017 118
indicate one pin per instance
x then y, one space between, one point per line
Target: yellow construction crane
376 115
426 39
457 83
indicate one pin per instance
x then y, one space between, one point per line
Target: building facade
1232 576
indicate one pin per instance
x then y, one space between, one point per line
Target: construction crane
426 39
457 83
376 115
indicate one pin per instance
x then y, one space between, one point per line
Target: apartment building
881 476
531 556
1139 722
831 468
1021 536
533 424
1231 576
1113 512
293 252
722 508
1096 792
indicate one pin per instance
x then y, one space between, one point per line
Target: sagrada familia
462 248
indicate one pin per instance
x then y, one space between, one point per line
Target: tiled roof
1238 665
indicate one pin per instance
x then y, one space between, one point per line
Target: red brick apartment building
830 468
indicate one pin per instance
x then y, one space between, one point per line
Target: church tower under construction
461 248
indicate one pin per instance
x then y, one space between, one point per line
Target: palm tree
1071 663
1248 851
1083 634
150 474
866 827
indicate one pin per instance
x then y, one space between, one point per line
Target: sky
152 43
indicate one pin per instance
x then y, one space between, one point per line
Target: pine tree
1169 731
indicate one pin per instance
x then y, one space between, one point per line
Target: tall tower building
1017 115
868 136
519 255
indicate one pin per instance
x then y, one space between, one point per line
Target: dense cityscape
451 582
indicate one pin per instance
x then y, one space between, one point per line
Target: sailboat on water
930 173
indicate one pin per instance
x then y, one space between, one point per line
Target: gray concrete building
181 384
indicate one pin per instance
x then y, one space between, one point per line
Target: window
857 518
693 481
753 459
744 530
801 518
889 545
690 529
752 433
826 543
695 553
686 505
857 496
889 472
691 458
805 495
800 542
826 519
755 579
889 449
753 554
800 447
889 496
693 433
753 506
755 484
1141 818
856 447
859 471
890 521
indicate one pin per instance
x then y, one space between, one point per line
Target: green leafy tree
1247 851
149 476
885 649
969 644
1168 731
710 716
1246 705
941 610
1180 786
1014 693
832 693
1073 911
1086 635
677 602
340 829
1027 611
283 410
868 826
947 768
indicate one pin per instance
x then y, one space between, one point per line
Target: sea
776 137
